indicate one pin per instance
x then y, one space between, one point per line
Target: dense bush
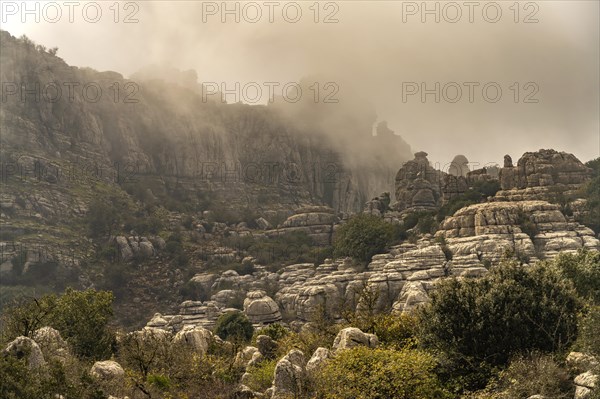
81 317
481 323
380 373
589 339
583 269
234 327
275 331
261 375
362 237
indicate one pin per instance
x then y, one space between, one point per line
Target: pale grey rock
196 338
289 375
260 308
352 337
23 346
51 343
581 361
110 375
317 360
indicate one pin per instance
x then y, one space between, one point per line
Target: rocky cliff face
161 131
542 174
467 245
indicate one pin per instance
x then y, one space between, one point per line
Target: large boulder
413 294
289 376
110 375
51 343
352 337
418 185
543 168
22 347
196 338
585 384
317 360
260 308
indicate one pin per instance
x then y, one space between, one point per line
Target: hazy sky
383 50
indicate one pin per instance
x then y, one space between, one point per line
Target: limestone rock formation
23 346
197 339
317 360
316 221
544 170
352 337
418 185
289 374
585 383
110 375
260 308
459 166
51 343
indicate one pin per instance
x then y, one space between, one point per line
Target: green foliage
583 269
469 197
589 339
487 188
485 321
81 317
380 373
535 374
17 381
234 327
27 314
396 330
275 331
261 376
163 383
115 212
362 237
174 247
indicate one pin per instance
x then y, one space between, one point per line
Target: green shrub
589 339
275 331
261 376
583 269
379 373
234 327
362 237
481 323
81 317
396 330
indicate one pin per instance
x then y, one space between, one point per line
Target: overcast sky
384 50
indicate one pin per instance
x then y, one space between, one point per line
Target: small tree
82 318
380 373
362 237
483 322
234 327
